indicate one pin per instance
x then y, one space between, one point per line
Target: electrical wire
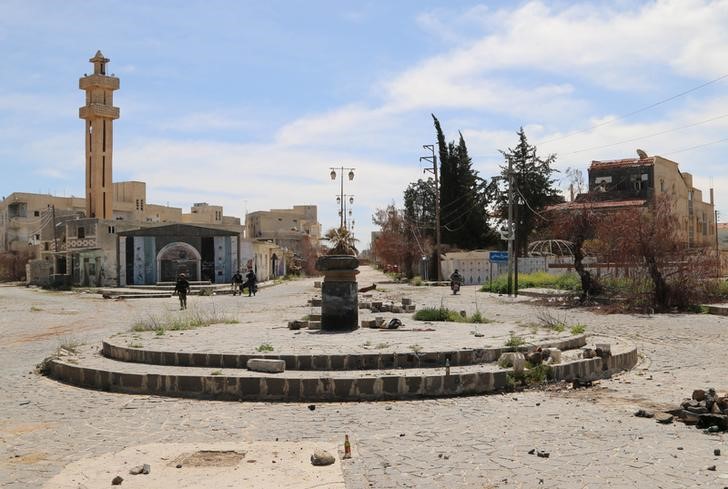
697 146
634 112
646 136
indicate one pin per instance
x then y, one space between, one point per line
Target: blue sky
248 104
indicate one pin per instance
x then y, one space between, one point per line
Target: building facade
285 227
635 182
113 236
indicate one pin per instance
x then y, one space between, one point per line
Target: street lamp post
341 199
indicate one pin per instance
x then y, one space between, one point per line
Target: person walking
237 283
250 283
182 288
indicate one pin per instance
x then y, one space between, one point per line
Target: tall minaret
99 113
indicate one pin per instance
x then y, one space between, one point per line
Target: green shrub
417 281
477 317
537 374
578 329
515 341
170 322
439 314
567 281
531 375
264 347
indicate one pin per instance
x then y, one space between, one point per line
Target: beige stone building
285 227
79 237
634 182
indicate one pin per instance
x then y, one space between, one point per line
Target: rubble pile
706 409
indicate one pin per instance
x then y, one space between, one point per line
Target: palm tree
342 241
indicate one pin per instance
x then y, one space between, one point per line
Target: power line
647 136
635 112
698 146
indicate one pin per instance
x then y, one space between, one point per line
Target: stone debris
322 457
663 418
297 324
706 409
644 414
588 353
514 360
116 481
266 365
140 469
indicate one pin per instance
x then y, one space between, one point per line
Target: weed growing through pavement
216 372
180 322
514 341
444 314
69 345
264 347
35 309
578 329
67 348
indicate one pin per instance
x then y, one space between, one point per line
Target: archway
176 258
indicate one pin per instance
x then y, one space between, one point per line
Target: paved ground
477 442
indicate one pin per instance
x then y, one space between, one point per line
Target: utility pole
55 239
510 226
433 160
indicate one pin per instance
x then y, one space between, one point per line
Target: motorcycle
455 287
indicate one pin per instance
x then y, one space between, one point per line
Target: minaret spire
99 112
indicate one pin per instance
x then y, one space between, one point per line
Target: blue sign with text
498 256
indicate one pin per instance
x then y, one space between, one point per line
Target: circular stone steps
324 361
89 369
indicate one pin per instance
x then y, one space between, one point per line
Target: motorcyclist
456 280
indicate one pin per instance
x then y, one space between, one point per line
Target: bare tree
578 224
648 240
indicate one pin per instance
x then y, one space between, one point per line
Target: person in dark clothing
182 288
250 283
237 283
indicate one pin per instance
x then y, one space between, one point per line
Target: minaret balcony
98 81
93 111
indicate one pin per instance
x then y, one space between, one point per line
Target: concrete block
314 325
317 284
266 365
406 301
554 355
516 360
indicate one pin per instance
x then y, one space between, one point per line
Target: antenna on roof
641 154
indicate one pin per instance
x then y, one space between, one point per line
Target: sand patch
253 465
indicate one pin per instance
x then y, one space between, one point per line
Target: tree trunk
661 287
585 275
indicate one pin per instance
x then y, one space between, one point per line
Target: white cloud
266 176
204 121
